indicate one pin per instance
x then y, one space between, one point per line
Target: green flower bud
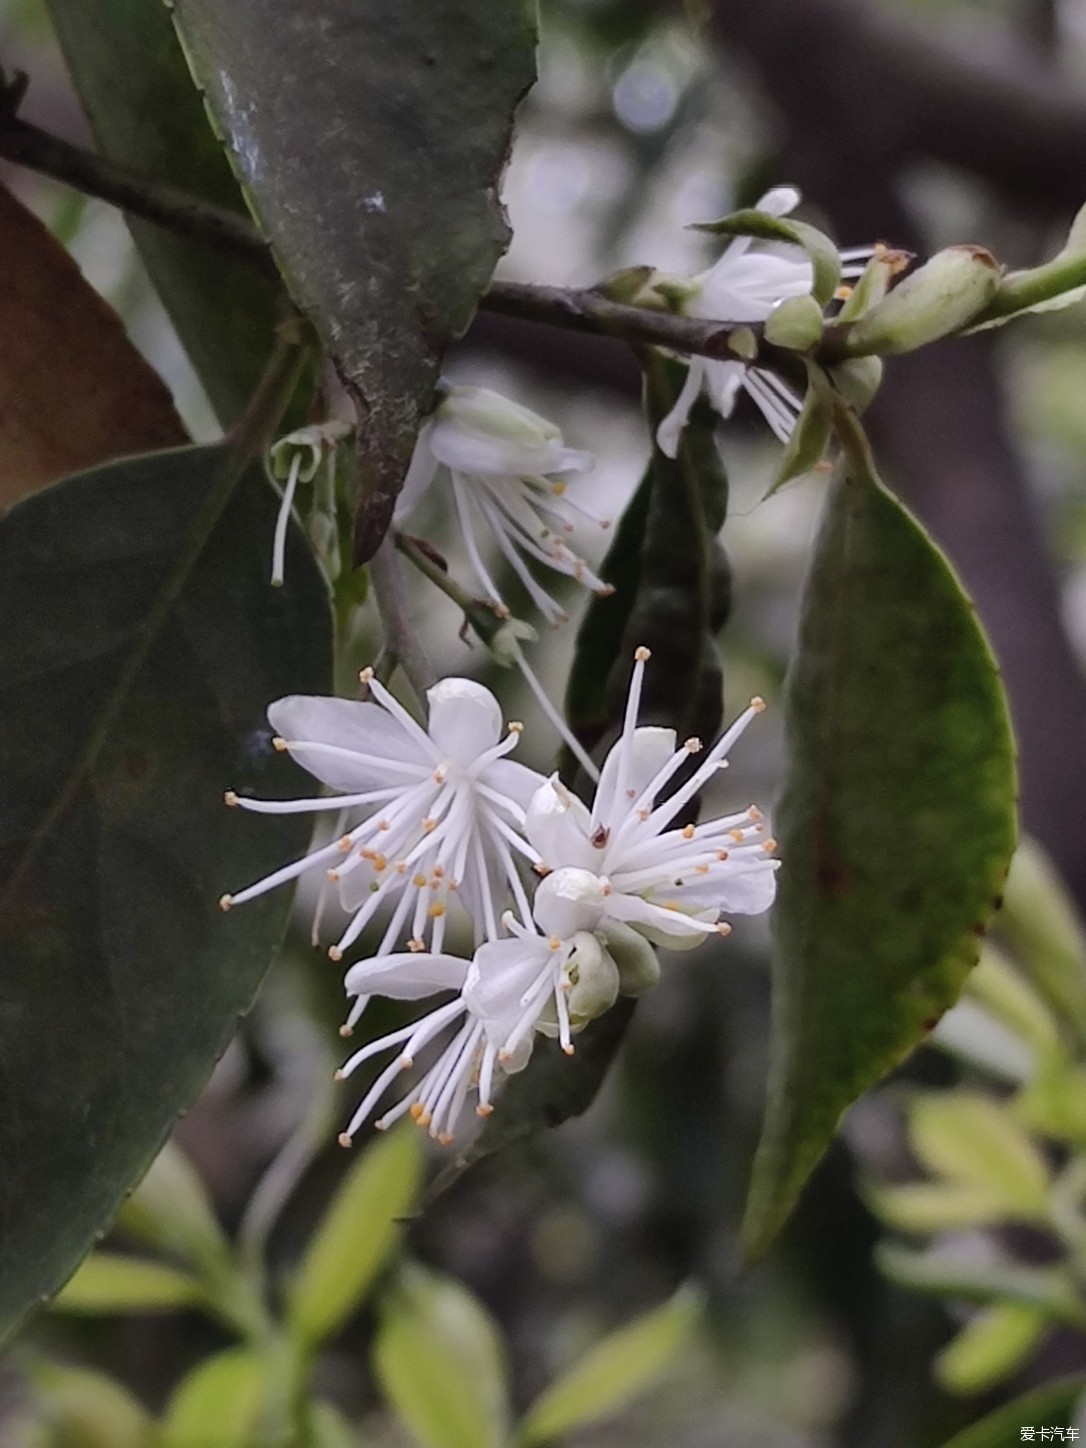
795 323
595 979
938 299
858 380
637 962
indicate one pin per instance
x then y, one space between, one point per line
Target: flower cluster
564 900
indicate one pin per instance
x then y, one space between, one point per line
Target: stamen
231 799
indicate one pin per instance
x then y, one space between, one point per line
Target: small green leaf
1042 926
440 1361
388 243
219 1402
989 1347
943 1273
141 645
619 1368
896 822
807 445
84 1409
975 1141
358 1232
107 1282
925 1208
1003 991
328 1428
1047 1405
170 1209
823 256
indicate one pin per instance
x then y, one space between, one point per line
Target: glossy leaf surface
141 646
387 244
896 825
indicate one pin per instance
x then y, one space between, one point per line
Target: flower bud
858 380
637 963
796 323
595 979
314 443
938 299
569 900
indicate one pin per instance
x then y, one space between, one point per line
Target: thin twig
231 234
401 637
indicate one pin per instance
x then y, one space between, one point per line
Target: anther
769 845
230 798
554 943
406 1062
279 743
688 832
483 1110
419 881
345 1141
225 901
722 854
333 875
415 945
642 654
542 870
842 294
723 928
429 824
558 489
345 843
415 1110
693 745
568 1050
445 1138
754 813
383 825
346 1031
757 703
515 727
736 835
337 1074
365 675
436 910
334 953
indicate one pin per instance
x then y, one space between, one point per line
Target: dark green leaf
141 644
145 111
896 825
370 138
1049 1406
821 252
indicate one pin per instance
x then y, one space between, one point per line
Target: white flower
508 467
501 995
744 285
423 814
670 885
296 459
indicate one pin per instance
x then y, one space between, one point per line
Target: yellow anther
483 1109
701 869
346 1031
688 832
345 1141
419 881
379 863
515 727
554 943
429 824
345 843
415 1110
736 835
365 675
334 953
337 1074
225 901
230 798
769 845
436 910
842 294
757 703
332 875
754 813
568 1050
642 654
279 743
445 1138
558 489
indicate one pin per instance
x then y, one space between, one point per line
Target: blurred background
917 122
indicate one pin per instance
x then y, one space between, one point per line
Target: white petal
514 780
656 922
723 381
649 750
502 974
478 431
465 719
779 201
569 900
670 429
346 724
559 825
407 977
747 288
419 475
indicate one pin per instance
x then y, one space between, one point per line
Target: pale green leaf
108 1282
218 1404
440 1361
992 1344
85 1409
623 1365
171 1209
356 1236
1041 924
940 1272
975 1141
925 1208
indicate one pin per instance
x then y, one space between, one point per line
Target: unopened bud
858 380
796 323
873 282
637 963
595 979
940 298
504 643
